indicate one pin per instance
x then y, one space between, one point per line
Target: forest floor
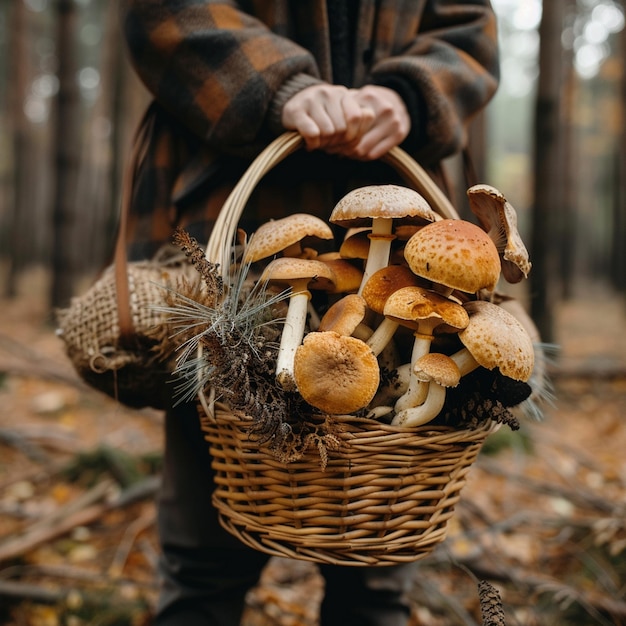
542 517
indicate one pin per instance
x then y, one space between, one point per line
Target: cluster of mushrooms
404 281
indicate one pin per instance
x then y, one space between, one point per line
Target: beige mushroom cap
361 205
454 253
415 306
497 339
438 368
278 235
335 373
499 219
286 270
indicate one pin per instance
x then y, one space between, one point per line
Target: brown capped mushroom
356 245
499 219
493 339
285 236
439 372
344 316
348 277
379 206
455 254
299 275
423 311
335 373
376 292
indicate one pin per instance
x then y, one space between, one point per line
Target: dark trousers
206 572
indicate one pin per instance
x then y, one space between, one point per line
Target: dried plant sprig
207 270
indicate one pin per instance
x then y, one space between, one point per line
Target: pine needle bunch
228 339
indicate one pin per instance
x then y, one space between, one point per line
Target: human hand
392 122
362 124
327 116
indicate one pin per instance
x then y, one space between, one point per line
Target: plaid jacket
220 73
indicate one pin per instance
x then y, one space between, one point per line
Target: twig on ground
15 547
133 530
20 441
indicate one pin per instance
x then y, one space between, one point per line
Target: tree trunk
19 195
546 159
567 187
65 256
619 226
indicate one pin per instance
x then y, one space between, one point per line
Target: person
355 78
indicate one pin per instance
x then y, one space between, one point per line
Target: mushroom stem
314 318
379 411
416 391
292 334
294 250
380 247
425 412
465 361
382 335
362 332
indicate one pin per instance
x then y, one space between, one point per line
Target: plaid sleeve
212 66
448 68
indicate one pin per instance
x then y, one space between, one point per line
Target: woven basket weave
387 492
384 498
136 370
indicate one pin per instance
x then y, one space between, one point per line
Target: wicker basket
384 497
134 367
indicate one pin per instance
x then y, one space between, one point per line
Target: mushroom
499 219
439 372
422 310
380 205
454 254
335 373
356 244
344 316
285 236
299 275
492 339
539 381
348 277
376 292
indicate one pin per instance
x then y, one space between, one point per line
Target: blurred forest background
553 141
545 518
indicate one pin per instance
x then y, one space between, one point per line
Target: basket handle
224 229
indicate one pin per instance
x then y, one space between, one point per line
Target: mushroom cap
356 245
498 218
286 270
335 373
496 339
347 276
274 236
410 305
384 282
344 315
454 253
438 368
361 205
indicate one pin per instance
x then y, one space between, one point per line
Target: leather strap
120 259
